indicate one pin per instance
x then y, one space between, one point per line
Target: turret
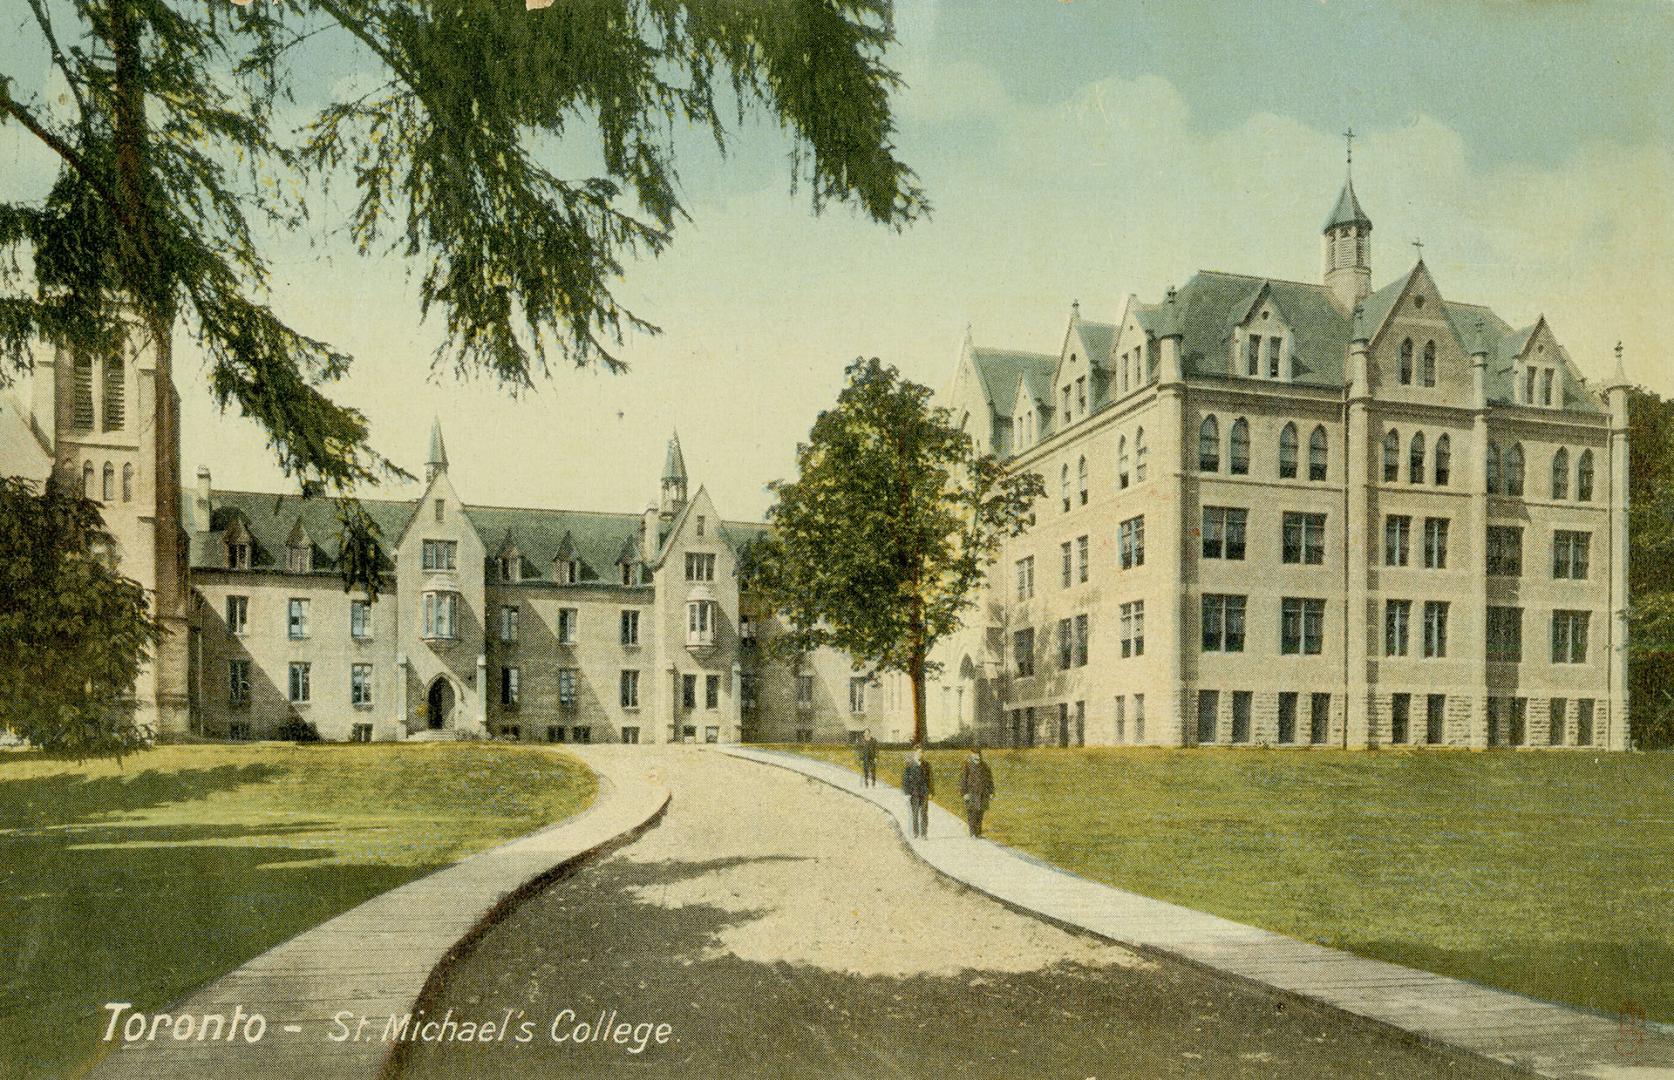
437 462
674 480
1346 244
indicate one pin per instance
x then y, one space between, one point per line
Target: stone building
1300 514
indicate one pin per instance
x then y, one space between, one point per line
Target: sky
1079 150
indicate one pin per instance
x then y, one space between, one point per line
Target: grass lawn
141 881
1543 873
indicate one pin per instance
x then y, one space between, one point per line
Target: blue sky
1082 150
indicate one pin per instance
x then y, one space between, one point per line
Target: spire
674 480
1347 211
674 466
437 462
1346 243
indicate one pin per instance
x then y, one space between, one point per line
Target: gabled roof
1097 338
1002 369
541 536
271 520
1213 304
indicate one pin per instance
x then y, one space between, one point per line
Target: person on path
868 750
976 787
918 783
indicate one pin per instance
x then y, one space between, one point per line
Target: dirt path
780 929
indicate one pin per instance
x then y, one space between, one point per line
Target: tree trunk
915 671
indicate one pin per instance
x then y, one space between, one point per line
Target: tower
437 461
1346 244
674 480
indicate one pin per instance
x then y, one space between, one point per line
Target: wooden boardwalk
376 960
1541 1037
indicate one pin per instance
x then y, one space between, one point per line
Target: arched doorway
440 710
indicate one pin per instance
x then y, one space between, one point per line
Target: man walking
976 786
917 782
868 751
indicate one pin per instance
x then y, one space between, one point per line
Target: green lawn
141 881
1544 873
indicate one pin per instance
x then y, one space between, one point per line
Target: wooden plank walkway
376 960
1541 1037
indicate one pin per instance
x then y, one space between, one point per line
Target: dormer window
627 569
1546 381
238 556
567 571
299 559
1528 385
511 567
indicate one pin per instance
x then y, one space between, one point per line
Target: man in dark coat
976 786
917 782
868 751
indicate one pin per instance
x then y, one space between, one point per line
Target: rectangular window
1546 387
440 510
1569 637
1081 396
1223 623
630 628
688 691
360 684
1069 564
1133 628
1023 652
857 694
1519 721
749 692
1584 722
1121 719
1223 532
1435 629
804 689
1319 718
238 682
238 614
711 734
361 733
1241 716
440 554
567 619
1139 718
555 733
630 689
566 688
1208 704
1496 713
1026 577
1435 713
702 525
1066 644
1301 626
301 690
700 566
1252 356
1400 710
712 692
581 734
441 614
360 620
1287 715
1081 556
1397 532
1505 635
1435 543
1505 551
508 623
1304 538
1569 554
239 731
1273 348
299 559
1130 536
1396 616
509 687
1556 710
238 556
1081 641
297 619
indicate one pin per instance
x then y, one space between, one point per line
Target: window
1584 722
1519 721
1427 371
1397 614
1223 623
1274 345
555 733
1444 460
1238 457
1435 629
1287 452
701 617
238 682
1405 369
630 689
566 688
857 694
1569 637
1556 709
360 620
1081 559
1064 413
1415 459
1064 487
508 623
1241 716
1560 474
1397 532
1252 356
1025 577
1514 470
1133 628
1139 456
110 482
440 554
361 733
1494 478
239 731
1319 718
238 614
360 684
749 692
1435 713
581 733
1081 641
746 630
1391 456
441 614
128 482
1023 651
1121 461
1208 705
1505 635
441 510
1304 538
1400 712
1505 551
700 566
804 734
1069 563
299 559
1546 387
301 691
1209 445
627 571
238 555
1081 480
1139 718
702 525
1130 537
511 567
1121 719
1569 554
1081 396
630 627
1317 454
712 691
804 689
1496 712
83 393
1301 626
567 619
1066 644
566 571
1584 476
1287 716
296 619
1435 543
1223 532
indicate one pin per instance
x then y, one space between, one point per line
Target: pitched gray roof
540 536
674 465
1347 211
270 520
1213 304
1001 369
1097 338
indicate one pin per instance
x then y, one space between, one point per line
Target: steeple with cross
1346 242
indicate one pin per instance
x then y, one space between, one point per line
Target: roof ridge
218 492
553 510
1263 277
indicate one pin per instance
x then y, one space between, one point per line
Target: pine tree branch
53 142
44 21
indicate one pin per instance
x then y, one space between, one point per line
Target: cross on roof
1418 245
1349 135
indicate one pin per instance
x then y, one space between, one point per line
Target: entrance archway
440 709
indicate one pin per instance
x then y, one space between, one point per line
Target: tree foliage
1651 568
881 543
73 632
166 116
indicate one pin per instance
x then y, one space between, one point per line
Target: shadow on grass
601 941
68 798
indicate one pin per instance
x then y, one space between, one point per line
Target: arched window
1415 459
1584 476
83 397
1239 450
1063 486
1139 456
1209 445
110 482
88 491
1493 468
1560 474
115 411
1121 461
1316 454
1406 362
1427 373
1444 461
1081 480
1392 456
1287 452
128 482
1514 470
